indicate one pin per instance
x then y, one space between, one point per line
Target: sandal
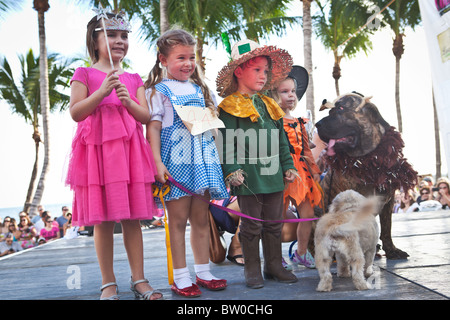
234 259
113 297
147 294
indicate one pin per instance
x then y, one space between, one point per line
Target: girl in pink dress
111 169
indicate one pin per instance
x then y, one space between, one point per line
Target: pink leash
171 180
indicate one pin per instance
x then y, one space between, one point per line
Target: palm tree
164 16
337 27
24 97
307 52
207 19
261 19
7 5
131 7
42 6
400 15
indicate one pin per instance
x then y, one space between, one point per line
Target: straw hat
245 50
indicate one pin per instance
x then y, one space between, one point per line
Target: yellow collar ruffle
242 106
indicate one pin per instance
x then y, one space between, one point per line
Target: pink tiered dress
111 169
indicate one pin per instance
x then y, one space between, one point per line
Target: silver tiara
118 22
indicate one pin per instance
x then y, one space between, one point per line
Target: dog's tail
368 210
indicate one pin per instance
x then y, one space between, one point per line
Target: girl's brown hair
91 35
164 44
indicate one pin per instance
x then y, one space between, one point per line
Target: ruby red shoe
189 292
214 285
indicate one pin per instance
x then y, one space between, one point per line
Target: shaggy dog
364 153
349 231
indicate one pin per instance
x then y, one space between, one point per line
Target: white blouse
161 108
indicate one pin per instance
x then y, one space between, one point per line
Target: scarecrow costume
254 144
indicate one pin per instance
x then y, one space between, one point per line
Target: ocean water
55 210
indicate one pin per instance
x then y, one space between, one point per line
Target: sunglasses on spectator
425 192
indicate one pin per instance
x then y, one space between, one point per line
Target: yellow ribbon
161 192
322 201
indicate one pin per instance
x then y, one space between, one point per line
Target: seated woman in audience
50 231
408 202
4 228
14 230
28 232
443 186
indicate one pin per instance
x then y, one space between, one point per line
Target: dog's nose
319 123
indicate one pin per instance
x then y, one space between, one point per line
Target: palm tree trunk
41 6
336 76
398 50
307 52
199 53
164 17
337 72
37 140
397 94
437 141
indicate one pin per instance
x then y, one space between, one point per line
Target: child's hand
316 177
111 81
236 178
289 176
123 95
162 172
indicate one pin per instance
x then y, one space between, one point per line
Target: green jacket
259 148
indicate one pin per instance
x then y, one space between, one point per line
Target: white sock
182 278
202 271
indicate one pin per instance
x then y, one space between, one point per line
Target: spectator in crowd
50 230
408 202
4 228
425 194
9 246
40 224
14 230
443 196
28 232
397 201
36 218
62 219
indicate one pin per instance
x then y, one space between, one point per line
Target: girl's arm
154 138
81 105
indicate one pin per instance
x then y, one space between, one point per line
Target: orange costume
306 187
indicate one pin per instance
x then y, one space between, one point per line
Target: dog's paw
361 284
396 254
324 286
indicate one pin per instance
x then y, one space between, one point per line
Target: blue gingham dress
193 161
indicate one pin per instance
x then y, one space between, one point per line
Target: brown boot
273 269
252 266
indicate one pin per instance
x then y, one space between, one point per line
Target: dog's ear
326 105
371 111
